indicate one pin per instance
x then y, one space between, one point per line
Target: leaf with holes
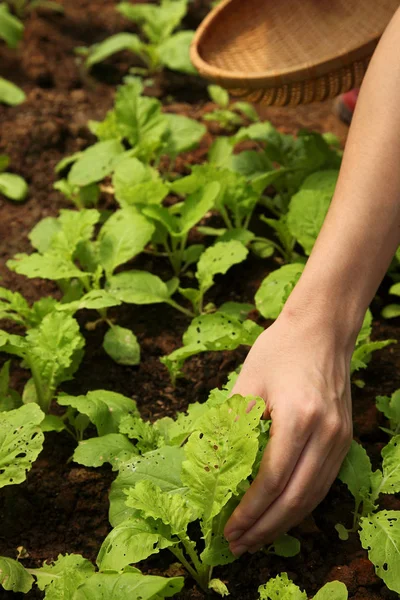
281 588
21 441
218 259
380 535
275 289
61 578
112 448
105 409
390 483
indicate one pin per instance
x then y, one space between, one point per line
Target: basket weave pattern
290 51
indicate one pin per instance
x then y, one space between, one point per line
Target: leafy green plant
51 351
379 530
283 588
162 48
74 577
167 489
21 441
390 407
67 254
229 114
392 311
12 186
11 31
138 123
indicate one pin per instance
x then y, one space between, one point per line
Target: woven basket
289 51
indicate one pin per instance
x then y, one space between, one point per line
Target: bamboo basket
280 52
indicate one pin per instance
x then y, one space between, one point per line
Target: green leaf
42 234
219 587
95 163
281 588
390 406
13 576
183 133
112 45
139 287
217 260
123 236
356 472
237 310
119 586
334 590
13 186
286 545
162 467
275 288
113 448
174 53
216 551
11 28
137 184
380 535
220 454
52 423
362 354
93 300
151 501
21 442
218 95
104 409
122 345
197 205
4 162
157 22
131 541
145 434
307 212
46 266
248 110
13 306
76 227
391 311
390 483
10 93
9 399
61 578
321 180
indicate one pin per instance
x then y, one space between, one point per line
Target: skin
300 365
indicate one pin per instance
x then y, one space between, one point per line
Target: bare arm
300 365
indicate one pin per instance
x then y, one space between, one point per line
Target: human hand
302 372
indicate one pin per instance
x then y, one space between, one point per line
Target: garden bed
62 507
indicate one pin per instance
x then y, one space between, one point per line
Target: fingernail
238 550
234 535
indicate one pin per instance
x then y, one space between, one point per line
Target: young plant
162 47
283 588
229 115
23 7
390 407
201 481
21 441
52 352
11 31
72 576
136 122
379 530
66 253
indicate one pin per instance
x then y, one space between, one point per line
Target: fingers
309 483
287 442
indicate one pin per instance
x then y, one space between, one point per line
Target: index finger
287 441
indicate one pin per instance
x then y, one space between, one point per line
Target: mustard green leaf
112 45
286 545
363 353
219 587
220 454
93 300
122 345
356 472
390 406
11 28
105 409
218 259
174 52
95 163
113 448
334 590
275 288
380 535
21 442
183 134
161 467
61 578
146 435
307 212
13 186
137 184
46 266
281 588
14 577
390 483
138 287
123 236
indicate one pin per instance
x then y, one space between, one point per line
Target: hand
302 372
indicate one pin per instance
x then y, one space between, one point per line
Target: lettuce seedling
379 530
229 114
162 47
12 186
167 489
52 351
73 577
390 407
21 441
283 588
66 253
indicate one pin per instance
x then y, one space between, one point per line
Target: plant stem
181 309
181 557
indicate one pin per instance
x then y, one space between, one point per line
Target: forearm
362 229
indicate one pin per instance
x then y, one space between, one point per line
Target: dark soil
62 507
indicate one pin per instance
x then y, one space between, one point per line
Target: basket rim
272 78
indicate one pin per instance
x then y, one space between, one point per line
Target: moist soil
62 507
